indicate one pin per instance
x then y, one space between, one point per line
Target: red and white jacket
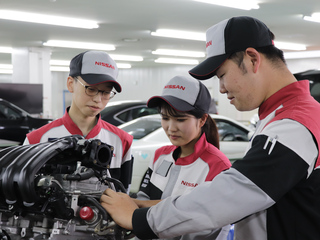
121 163
169 175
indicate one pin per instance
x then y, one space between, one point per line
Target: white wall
5 78
300 65
59 84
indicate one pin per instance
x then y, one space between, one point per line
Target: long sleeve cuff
141 226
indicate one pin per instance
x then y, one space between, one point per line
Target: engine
52 190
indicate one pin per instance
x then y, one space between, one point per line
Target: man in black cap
91 81
274 191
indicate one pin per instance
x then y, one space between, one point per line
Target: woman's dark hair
209 128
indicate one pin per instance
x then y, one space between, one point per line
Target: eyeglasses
90 91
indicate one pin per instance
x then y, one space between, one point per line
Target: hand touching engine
120 206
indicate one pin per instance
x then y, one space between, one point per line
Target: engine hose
117 182
4 235
88 199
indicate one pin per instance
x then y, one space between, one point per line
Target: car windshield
7 112
142 127
230 132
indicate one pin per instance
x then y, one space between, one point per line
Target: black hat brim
174 102
94 79
208 67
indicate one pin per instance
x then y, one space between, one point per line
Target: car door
234 140
13 125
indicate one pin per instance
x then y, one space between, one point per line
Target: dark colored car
120 112
314 79
15 123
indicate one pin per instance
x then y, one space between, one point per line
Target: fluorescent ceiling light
59 62
177 61
5 50
315 17
126 58
47 19
6 71
290 46
6 66
171 52
302 54
171 33
81 45
59 69
244 4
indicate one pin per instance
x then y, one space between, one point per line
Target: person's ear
70 84
255 58
203 119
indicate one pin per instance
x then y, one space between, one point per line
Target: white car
148 136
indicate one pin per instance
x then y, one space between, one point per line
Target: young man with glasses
91 81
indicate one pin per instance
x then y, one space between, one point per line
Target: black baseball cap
230 36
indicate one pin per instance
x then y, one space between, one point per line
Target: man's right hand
120 206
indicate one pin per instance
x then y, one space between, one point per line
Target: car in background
313 76
15 123
120 112
148 135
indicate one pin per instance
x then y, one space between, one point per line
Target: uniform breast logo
185 183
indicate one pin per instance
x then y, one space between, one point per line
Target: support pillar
32 65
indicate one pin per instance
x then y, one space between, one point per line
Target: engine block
52 190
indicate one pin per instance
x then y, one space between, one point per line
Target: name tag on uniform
164 168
